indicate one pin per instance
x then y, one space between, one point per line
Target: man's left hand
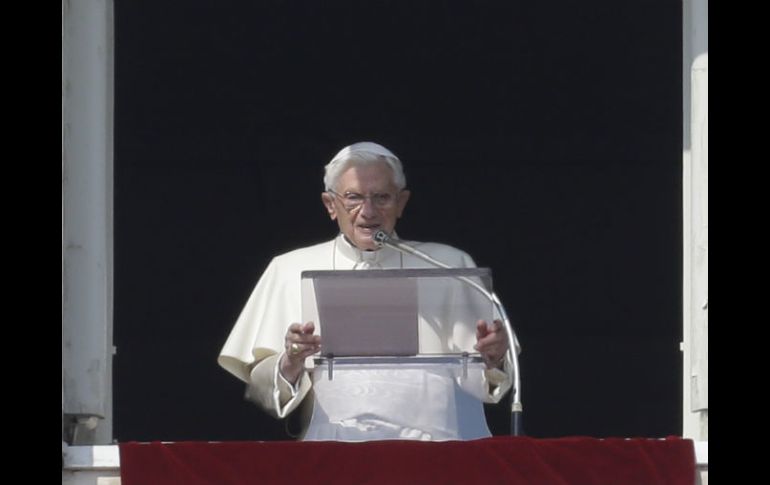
491 342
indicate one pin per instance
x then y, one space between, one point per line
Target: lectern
397 358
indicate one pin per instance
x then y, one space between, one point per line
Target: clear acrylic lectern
398 315
397 347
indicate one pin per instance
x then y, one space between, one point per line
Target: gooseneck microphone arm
384 239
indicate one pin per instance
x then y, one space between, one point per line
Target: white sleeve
487 385
268 388
497 382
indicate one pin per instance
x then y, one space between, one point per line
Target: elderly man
365 191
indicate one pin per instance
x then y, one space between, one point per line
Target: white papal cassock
366 403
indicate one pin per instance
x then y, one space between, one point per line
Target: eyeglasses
352 201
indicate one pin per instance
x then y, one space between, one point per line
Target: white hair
363 153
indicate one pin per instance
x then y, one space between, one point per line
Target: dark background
545 140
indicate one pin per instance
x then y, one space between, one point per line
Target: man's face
375 183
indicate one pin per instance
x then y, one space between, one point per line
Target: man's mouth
368 227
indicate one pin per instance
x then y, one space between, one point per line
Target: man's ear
328 201
403 198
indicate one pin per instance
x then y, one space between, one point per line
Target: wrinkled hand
299 344
491 342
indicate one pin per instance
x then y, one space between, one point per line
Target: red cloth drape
511 460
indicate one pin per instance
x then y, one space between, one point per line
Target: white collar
348 256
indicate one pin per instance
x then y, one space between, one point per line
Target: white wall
695 219
87 113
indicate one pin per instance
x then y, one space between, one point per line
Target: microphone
382 238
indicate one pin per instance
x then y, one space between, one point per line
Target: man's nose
367 208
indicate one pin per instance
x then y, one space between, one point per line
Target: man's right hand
299 344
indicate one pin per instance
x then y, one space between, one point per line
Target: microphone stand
382 238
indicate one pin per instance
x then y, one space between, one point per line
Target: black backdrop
545 140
